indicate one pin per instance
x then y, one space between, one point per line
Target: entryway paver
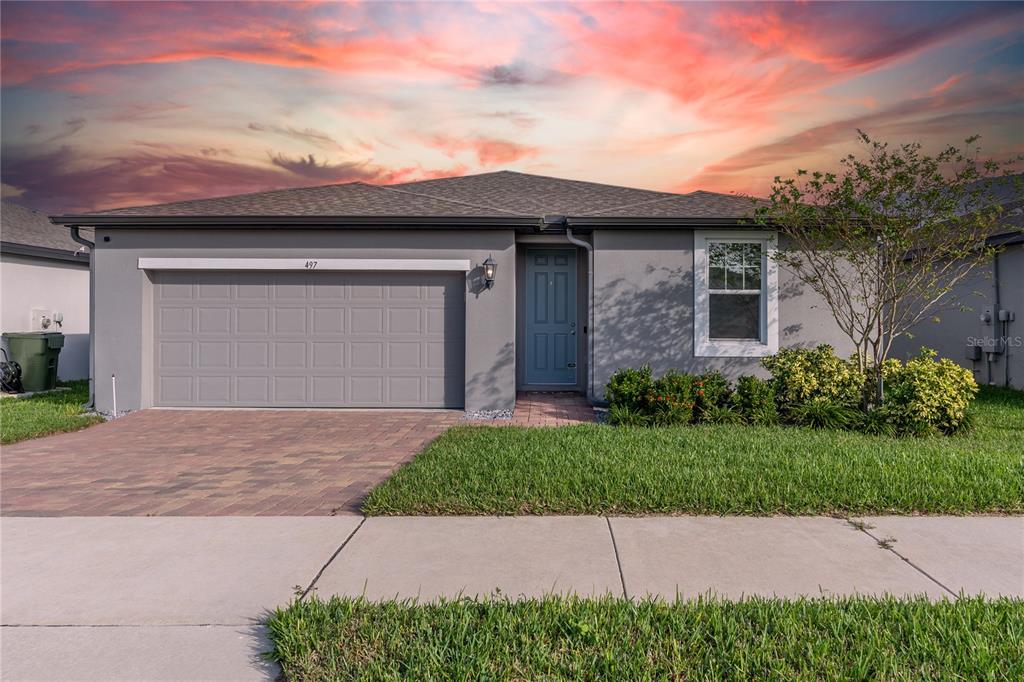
159 571
215 462
973 554
741 556
541 408
420 557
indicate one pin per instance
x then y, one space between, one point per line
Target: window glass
734 297
734 267
734 316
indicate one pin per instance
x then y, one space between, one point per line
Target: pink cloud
488 151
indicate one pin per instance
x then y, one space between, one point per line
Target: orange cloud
488 151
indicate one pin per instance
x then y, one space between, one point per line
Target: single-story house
452 293
983 332
44 277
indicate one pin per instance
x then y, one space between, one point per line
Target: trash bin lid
31 335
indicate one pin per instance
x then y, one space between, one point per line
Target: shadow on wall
650 323
490 389
475 282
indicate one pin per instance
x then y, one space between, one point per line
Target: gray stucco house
985 332
360 295
44 277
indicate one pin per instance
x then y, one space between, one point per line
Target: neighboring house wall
124 295
643 281
956 329
27 282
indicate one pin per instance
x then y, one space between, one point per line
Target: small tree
886 239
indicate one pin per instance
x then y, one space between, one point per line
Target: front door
551 317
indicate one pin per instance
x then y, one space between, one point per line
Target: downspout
589 331
77 237
997 325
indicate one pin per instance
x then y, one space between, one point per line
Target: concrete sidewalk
110 598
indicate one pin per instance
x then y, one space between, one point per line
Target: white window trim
312 263
704 347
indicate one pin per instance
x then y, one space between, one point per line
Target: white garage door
300 339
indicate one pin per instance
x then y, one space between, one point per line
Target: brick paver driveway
214 462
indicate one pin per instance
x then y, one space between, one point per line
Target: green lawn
39 415
614 639
723 469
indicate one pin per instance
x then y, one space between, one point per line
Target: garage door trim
335 264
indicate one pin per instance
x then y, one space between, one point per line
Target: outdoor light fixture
490 267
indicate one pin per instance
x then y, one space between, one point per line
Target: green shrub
928 394
876 422
671 399
754 400
620 415
722 414
630 388
822 413
802 375
711 390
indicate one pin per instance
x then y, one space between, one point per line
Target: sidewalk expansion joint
323 568
887 545
618 560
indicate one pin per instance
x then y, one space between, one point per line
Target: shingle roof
498 195
23 226
351 199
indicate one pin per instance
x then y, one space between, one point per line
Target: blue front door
551 317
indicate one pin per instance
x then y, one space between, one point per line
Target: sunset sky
116 104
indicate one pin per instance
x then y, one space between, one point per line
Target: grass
41 415
715 469
615 639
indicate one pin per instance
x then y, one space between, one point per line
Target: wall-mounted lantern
490 267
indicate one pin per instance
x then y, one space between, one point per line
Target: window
735 294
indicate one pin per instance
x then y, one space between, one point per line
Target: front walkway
215 462
184 598
536 408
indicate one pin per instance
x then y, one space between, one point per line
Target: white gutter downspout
76 235
590 307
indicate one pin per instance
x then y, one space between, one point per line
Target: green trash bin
37 353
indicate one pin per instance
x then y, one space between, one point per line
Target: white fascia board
354 264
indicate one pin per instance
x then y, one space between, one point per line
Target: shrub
801 376
822 413
671 400
620 415
876 422
927 394
711 390
754 400
630 388
722 414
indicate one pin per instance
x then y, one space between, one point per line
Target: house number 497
310 264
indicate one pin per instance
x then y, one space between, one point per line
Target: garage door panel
366 321
214 320
309 339
367 390
329 320
252 390
252 321
174 320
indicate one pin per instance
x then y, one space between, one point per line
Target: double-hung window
735 294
